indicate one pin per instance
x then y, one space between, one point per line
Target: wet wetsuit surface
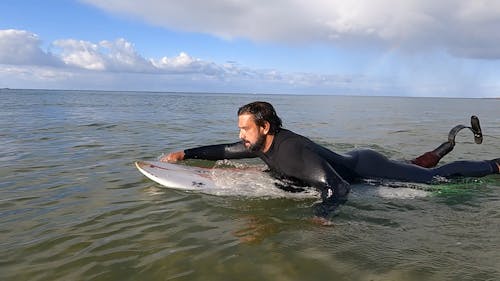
292 156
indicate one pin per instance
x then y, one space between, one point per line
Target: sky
446 48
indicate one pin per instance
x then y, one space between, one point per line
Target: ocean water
73 206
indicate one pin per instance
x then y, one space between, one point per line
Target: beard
258 145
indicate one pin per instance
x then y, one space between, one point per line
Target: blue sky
376 47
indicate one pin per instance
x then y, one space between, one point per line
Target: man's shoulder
286 134
289 139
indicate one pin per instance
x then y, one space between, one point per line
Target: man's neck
268 143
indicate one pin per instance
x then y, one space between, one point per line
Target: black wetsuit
294 157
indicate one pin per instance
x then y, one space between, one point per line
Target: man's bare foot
321 221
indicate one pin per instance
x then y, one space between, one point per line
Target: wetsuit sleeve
312 169
220 151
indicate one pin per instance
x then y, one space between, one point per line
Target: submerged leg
431 158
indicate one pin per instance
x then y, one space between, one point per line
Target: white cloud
18 47
185 64
119 56
108 59
183 60
108 64
23 47
81 54
465 28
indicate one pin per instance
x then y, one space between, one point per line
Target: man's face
252 135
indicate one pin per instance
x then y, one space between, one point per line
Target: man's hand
321 221
173 157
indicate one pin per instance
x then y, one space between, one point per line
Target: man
294 157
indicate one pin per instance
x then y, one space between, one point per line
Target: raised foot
475 129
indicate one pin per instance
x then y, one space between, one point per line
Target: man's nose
241 134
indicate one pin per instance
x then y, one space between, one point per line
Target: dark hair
262 111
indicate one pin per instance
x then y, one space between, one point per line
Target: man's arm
211 152
333 187
309 167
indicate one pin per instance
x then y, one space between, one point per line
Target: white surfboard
177 176
247 182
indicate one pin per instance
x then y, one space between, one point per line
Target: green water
73 206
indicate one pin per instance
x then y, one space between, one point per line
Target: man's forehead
246 119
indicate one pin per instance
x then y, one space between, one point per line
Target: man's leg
372 164
431 158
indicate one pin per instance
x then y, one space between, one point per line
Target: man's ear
267 127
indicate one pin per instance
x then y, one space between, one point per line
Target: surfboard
252 182
221 181
177 176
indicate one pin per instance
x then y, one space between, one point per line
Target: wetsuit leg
466 169
371 164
